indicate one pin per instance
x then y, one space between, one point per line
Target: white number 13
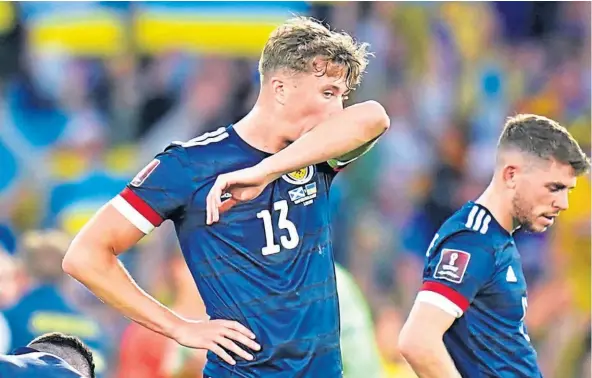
288 242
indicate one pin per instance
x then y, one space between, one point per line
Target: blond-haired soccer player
264 268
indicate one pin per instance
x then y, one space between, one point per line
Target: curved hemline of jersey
208 372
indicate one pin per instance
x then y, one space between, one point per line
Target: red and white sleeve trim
443 297
135 210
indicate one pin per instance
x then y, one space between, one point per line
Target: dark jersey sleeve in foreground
455 271
160 191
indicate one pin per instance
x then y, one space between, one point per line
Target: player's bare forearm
342 133
92 260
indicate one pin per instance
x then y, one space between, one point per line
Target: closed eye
558 187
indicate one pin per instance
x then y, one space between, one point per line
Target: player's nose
562 201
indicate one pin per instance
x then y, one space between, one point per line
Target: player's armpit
421 344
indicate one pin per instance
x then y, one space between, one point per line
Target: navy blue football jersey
473 271
30 363
268 263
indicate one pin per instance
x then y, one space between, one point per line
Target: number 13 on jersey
287 242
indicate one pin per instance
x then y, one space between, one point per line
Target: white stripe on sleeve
132 214
439 301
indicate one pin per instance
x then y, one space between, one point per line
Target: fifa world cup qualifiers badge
452 265
144 173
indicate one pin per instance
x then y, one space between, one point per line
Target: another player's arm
420 342
340 139
119 225
444 296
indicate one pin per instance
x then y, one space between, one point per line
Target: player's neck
265 130
497 206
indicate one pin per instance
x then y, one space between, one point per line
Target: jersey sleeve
455 272
340 163
159 191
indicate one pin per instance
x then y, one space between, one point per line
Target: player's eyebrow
559 186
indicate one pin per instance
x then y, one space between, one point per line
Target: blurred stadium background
89 92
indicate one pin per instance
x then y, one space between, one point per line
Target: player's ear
509 175
278 86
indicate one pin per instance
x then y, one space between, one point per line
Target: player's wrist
174 328
268 170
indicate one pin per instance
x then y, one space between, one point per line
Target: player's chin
540 224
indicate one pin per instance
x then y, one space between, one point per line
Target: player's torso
494 322
268 263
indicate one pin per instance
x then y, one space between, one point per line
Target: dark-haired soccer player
468 318
52 355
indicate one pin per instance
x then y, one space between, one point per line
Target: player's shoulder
207 142
473 225
196 154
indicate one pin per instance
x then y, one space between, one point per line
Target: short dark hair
60 340
544 138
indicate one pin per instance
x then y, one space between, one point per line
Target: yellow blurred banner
100 33
7 16
237 38
220 27
228 28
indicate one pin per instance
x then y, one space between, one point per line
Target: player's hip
314 364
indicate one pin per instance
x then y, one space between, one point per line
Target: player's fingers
215 348
209 208
226 205
238 327
231 346
237 336
218 199
215 212
215 200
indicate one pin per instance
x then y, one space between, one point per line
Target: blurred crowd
77 123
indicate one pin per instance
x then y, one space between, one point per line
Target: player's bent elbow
376 116
412 345
73 262
405 344
80 260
